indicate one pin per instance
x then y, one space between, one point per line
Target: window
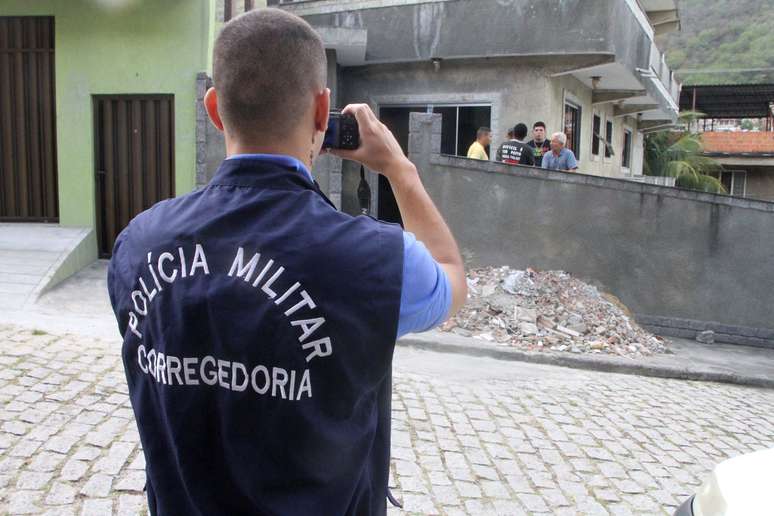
608 139
460 125
627 149
735 182
595 135
572 118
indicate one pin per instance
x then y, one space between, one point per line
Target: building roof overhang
729 100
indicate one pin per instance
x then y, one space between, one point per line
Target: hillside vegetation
724 34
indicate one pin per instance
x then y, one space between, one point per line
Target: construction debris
548 311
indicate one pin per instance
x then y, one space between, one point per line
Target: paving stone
33 480
131 505
23 502
97 485
97 507
468 489
116 458
134 481
46 461
60 494
533 503
419 504
495 489
628 487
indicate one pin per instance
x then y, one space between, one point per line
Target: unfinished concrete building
590 68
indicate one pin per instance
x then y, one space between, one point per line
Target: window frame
596 138
570 102
734 175
626 153
609 132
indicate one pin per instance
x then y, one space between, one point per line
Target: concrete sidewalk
690 360
34 257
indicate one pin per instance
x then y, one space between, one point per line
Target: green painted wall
146 46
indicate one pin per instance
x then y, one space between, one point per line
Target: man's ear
211 105
322 107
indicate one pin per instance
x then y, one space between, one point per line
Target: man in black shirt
515 151
539 143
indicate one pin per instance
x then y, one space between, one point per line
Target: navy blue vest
259 325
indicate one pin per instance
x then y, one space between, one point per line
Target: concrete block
706 337
416 144
201 153
695 325
728 329
435 144
418 121
729 339
765 333
201 85
437 123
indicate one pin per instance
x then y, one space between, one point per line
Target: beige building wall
567 88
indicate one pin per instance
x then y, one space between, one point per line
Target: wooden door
28 172
134 159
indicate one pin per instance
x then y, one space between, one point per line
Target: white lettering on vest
244 270
166 257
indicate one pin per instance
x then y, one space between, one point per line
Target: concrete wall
146 47
682 261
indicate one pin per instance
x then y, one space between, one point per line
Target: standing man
540 145
560 158
477 149
258 321
515 151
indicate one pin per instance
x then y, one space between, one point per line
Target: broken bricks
548 310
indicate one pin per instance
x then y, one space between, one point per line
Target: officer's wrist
401 174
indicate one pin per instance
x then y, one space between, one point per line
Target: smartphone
343 132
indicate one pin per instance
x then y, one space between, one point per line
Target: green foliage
723 34
678 154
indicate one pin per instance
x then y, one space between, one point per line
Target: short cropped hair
539 124
559 136
267 66
520 131
482 131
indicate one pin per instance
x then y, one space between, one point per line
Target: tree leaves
679 154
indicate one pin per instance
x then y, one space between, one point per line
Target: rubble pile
548 310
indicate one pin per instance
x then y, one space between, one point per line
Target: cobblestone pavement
471 435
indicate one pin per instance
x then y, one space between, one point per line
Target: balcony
606 44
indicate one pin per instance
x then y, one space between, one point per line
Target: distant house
747 156
98 110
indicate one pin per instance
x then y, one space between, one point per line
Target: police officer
258 321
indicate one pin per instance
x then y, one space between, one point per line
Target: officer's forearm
421 217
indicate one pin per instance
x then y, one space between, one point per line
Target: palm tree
679 154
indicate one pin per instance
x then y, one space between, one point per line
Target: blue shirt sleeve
571 161
426 297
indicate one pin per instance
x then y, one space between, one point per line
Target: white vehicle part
742 486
